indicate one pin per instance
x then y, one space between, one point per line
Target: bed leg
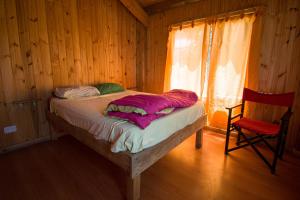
133 187
198 143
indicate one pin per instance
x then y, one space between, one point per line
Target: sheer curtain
211 59
228 66
185 67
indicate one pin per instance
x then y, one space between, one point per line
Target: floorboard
66 169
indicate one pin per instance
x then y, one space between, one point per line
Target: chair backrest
285 99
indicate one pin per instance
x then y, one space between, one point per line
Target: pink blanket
152 105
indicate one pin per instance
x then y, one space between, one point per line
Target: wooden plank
122 39
5 58
82 22
15 50
167 4
31 22
68 36
136 10
96 9
87 37
131 55
53 43
43 43
146 3
141 40
111 39
62 51
76 44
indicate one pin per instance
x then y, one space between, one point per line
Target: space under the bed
132 163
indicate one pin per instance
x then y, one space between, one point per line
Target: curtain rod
220 16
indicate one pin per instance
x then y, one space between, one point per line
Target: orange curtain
185 66
228 66
168 68
211 59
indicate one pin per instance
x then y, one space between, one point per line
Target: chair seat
257 126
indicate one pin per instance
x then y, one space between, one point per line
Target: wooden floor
66 169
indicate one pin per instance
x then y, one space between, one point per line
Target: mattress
87 113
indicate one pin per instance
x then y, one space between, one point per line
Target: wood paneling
51 43
167 4
91 41
134 7
141 39
278 56
146 3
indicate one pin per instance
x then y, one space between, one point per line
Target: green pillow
107 88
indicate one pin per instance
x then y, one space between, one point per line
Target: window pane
187 59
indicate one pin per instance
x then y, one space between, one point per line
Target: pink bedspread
152 104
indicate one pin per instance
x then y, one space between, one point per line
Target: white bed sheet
87 113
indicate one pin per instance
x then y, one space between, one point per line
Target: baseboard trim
219 130
24 144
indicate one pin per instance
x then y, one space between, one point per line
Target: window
211 60
187 59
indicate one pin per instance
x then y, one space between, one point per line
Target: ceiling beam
134 7
167 4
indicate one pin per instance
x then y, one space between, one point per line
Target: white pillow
76 92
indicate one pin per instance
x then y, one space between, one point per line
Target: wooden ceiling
154 6
146 3
141 9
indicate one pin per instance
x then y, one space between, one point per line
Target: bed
126 145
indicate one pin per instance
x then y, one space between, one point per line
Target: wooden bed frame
133 163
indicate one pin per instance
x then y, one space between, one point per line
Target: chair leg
257 151
228 131
227 140
282 147
238 139
276 154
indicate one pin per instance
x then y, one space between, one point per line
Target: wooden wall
50 43
141 40
278 56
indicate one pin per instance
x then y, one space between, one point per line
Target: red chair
263 130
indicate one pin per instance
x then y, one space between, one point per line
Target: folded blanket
143 109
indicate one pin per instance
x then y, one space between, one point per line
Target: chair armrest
230 114
287 115
232 107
